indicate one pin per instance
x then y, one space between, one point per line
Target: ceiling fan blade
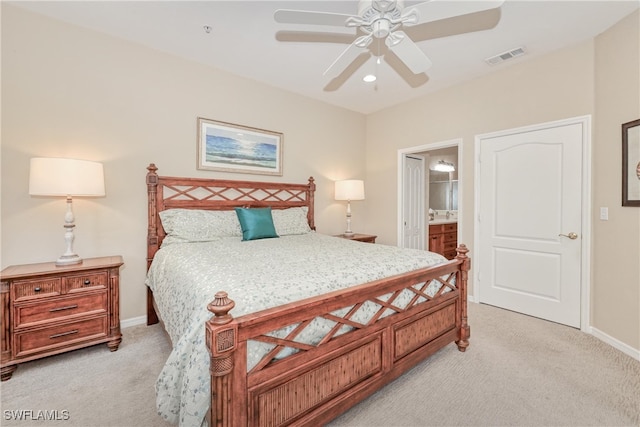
347 57
435 10
287 16
408 52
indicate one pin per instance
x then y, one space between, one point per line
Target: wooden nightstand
48 310
367 238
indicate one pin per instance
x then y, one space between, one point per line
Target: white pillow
291 221
198 225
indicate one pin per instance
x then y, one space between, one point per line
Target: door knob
572 235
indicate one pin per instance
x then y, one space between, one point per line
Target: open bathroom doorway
435 206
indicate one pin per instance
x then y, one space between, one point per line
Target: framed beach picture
631 163
228 147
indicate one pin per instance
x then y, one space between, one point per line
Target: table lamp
66 178
349 189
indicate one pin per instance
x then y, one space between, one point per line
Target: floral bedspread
257 275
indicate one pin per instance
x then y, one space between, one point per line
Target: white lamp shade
350 189
65 177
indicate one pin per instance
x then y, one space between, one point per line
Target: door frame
585 264
400 191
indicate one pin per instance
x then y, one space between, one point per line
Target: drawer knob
38 289
87 282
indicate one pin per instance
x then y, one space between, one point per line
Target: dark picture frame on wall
631 163
227 147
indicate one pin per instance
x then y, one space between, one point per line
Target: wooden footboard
321 381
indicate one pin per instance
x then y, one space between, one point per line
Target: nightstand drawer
40 288
84 282
47 339
30 314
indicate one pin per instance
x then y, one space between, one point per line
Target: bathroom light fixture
349 189
66 178
443 166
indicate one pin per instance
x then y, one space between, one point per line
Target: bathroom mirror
442 179
443 193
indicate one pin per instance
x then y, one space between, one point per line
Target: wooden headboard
164 192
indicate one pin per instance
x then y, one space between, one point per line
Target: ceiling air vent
518 51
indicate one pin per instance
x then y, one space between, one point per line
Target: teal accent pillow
256 223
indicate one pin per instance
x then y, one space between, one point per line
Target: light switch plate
604 214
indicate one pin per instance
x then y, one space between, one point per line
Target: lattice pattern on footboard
410 316
305 335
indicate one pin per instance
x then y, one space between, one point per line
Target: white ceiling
245 40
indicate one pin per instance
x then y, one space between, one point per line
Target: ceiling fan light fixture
381 28
369 78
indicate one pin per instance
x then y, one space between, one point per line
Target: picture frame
228 147
631 163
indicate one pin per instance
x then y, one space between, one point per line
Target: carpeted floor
518 371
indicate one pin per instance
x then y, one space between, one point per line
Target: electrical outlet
604 214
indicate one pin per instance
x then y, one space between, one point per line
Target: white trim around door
585 241
400 168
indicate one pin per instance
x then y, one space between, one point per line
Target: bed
248 354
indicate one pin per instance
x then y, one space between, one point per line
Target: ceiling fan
384 20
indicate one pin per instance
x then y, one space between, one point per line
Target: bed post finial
221 306
152 168
465 330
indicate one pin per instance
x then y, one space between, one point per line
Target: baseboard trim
617 344
134 321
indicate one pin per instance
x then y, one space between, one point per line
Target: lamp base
68 260
348 233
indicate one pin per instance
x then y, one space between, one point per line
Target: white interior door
530 221
413 209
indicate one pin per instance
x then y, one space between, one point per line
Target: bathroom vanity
443 237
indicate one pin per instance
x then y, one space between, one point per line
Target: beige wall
593 78
616 243
69 92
